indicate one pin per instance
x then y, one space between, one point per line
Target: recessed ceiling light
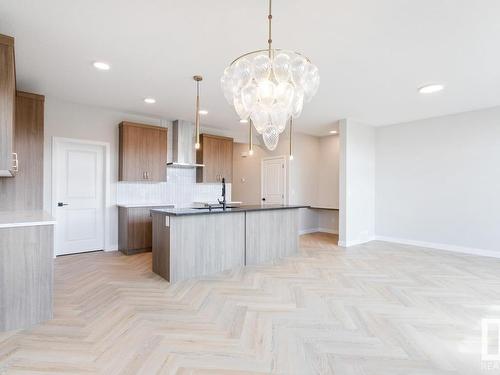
203 112
101 65
429 89
244 121
150 100
333 132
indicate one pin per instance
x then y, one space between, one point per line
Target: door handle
60 204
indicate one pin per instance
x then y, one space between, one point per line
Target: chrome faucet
223 201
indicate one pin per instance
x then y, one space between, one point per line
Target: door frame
285 176
107 181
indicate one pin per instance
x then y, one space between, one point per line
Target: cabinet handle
143 175
147 175
15 162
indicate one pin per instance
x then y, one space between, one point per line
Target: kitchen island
189 243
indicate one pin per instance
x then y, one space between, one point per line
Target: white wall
328 173
246 184
438 182
357 183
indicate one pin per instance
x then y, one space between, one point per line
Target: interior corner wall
438 182
357 183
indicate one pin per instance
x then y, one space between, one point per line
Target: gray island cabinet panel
189 243
26 276
271 235
186 247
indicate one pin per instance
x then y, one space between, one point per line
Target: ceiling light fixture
429 89
244 121
203 112
150 100
333 132
269 86
197 79
101 65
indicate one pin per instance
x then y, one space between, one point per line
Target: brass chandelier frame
270 50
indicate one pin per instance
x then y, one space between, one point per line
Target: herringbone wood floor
373 309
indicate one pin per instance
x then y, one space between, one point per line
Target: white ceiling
372 55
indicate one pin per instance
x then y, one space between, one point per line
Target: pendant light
197 79
250 138
269 86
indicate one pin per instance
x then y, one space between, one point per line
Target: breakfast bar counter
189 243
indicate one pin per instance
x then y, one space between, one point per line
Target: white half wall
357 183
438 182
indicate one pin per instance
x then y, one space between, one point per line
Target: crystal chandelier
270 86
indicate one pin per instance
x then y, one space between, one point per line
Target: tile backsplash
180 189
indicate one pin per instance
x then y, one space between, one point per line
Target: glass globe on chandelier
269 87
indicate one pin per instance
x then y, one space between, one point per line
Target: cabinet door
226 159
211 159
139 228
143 153
7 104
156 154
132 150
217 155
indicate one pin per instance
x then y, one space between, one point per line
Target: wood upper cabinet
143 153
25 191
8 159
216 153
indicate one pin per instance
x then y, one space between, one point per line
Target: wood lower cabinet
143 153
216 153
7 107
135 230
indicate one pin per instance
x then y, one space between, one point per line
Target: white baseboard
112 248
316 230
328 230
307 231
354 243
440 246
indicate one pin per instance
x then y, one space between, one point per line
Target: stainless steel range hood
183 140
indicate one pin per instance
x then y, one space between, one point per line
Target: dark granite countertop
205 211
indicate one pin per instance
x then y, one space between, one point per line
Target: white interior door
79 196
273 180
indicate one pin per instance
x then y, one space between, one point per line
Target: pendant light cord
270 18
198 112
250 138
197 116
